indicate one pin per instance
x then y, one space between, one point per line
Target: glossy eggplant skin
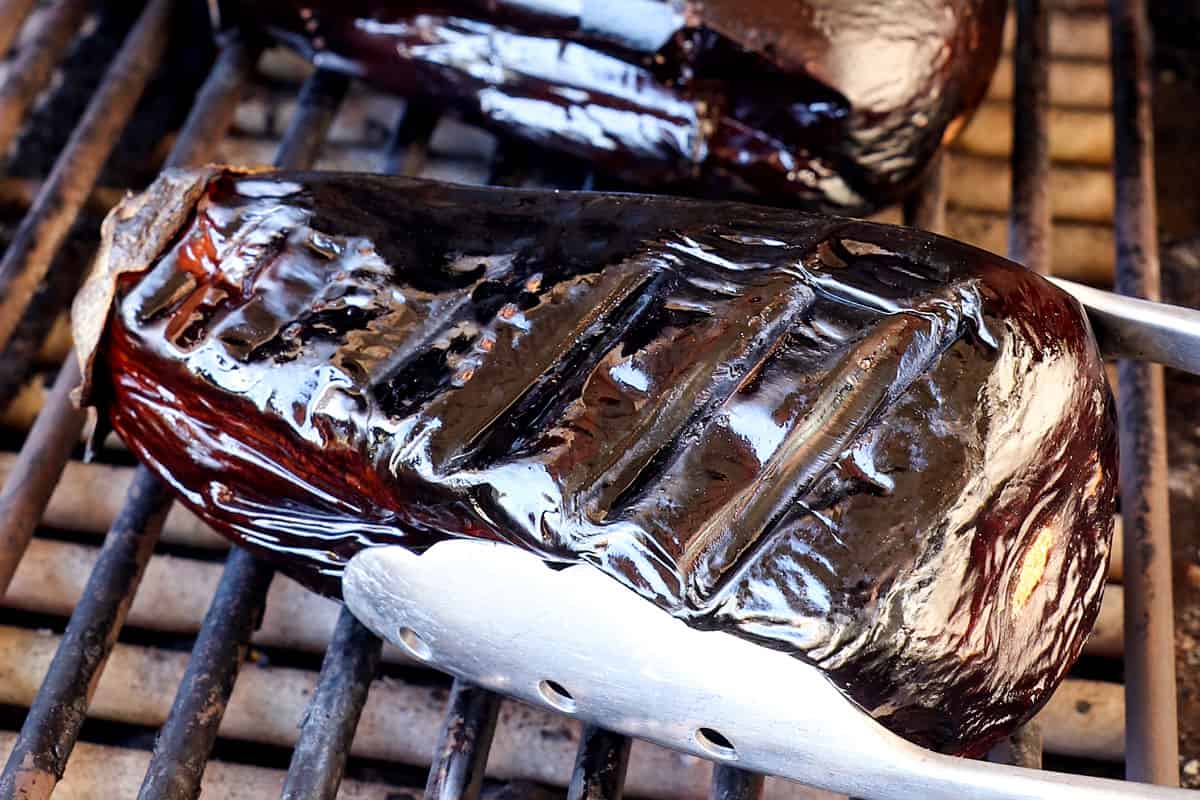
834 105
887 453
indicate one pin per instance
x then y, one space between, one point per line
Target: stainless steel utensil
576 641
1127 327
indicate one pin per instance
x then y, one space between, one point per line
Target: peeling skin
835 106
881 451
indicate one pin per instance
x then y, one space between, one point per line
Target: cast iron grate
185 742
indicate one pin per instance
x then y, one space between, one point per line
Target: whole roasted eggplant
887 453
829 104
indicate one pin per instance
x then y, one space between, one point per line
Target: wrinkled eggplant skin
887 453
834 106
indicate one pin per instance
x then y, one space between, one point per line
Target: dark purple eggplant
887 453
834 106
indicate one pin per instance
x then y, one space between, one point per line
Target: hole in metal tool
715 743
415 645
556 695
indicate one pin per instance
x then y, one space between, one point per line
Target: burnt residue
460 754
600 765
887 453
838 106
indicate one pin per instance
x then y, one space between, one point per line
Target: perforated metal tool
576 641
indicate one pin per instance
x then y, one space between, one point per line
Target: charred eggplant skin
834 105
887 453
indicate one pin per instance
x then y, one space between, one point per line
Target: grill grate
56 716
320 755
1152 744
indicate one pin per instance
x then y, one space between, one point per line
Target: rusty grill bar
600 765
1152 744
346 673
39 757
461 752
353 657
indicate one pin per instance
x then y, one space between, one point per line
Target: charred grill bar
39 757
1151 739
66 189
731 783
346 673
600 765
462 749
1029 216
34 66
351 661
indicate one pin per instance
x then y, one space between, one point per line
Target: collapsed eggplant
887 453
830 105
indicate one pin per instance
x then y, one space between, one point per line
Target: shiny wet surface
837 106
886 453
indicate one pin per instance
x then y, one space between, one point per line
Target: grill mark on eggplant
720 553
854 476
621 322
515 374
741 355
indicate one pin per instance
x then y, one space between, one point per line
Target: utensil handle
1129 327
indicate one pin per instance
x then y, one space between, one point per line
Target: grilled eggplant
887 453
834 106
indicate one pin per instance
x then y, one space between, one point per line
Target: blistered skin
887 453
829 104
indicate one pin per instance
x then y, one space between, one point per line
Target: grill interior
138 650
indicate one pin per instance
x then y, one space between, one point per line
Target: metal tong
1141 330
576 641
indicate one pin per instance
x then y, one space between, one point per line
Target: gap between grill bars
41 751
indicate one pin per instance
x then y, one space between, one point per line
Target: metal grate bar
456 770
600 765
56 431
731 783
925 207
39 756
329 721
1152 747
354 653
44 228
33 66
319 100
37 469
215 104
1029 212
13 12
187 737
408 148
1029 224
